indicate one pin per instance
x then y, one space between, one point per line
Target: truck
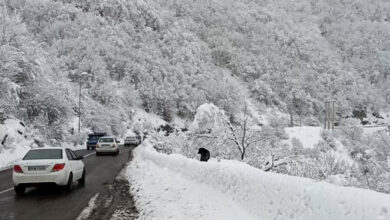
93 139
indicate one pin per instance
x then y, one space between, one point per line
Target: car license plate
36 168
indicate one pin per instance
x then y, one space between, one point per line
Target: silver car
107 145
131 141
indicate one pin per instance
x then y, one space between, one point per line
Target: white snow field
175 187
308 136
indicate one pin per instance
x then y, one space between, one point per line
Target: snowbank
15 144
174 187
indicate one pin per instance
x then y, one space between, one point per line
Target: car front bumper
59 178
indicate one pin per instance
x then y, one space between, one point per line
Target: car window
106 140
43 154
93 137
73 154
69 155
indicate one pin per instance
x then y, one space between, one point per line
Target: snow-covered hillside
175 187
259 66
171 57
16 139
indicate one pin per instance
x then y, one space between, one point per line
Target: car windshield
106 140
93 137
43 154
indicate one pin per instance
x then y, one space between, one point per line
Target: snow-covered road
50 202
175 187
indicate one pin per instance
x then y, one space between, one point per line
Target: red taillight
18 169
58 167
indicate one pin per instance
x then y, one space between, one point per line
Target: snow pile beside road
175 187
13 142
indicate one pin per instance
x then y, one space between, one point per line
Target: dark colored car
93 139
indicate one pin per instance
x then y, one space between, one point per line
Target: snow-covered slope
16 139
13 141
174 187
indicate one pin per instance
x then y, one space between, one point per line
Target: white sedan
60 166
107 145
131 140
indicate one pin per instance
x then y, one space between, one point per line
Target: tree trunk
243 153
291 118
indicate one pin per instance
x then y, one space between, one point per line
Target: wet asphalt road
55 203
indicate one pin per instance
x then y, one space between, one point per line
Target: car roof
107 137
98 134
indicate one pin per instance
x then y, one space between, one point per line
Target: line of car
108 144
62 166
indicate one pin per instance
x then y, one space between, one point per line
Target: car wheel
19 190
88 148
82 180
97 154
69 186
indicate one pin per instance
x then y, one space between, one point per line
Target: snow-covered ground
15 145
175 187
308 136
373 129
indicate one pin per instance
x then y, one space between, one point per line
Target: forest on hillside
172 56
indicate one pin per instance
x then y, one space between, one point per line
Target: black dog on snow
204 154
